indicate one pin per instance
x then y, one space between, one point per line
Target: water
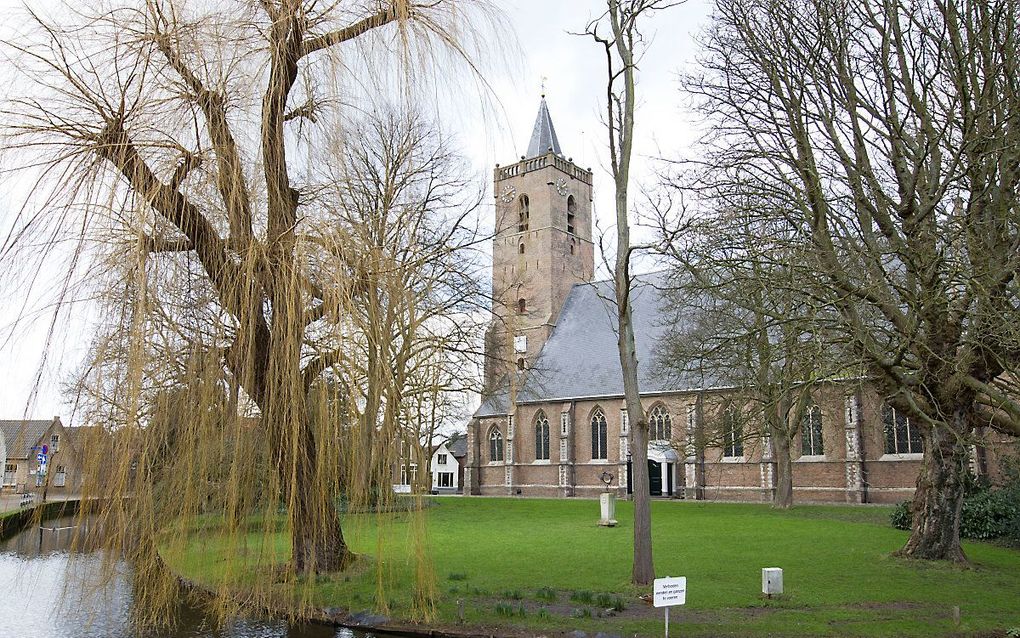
44 594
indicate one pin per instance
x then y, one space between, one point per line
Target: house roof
458 445
543 137
21 436
581 359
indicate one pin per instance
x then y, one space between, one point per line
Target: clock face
561 186
507 194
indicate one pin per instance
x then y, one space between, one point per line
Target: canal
47 593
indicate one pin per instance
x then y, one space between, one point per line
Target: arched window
520 249
599 435
659 424
571 213
541 437
522 305
901 437
524 213
811 433
733 434
495 445
520 363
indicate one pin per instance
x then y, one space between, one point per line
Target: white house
445 470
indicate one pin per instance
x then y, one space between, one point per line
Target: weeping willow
284 262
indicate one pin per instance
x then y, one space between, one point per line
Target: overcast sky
573 68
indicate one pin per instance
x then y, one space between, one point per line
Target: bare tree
623 44
742 320
884 130
184 126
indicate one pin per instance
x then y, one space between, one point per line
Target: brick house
552 419
25 441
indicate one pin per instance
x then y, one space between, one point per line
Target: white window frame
495 436
542 438
10 470
656 417
807 434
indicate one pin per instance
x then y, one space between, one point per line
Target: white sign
520 343
667 592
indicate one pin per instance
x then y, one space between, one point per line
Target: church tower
542 246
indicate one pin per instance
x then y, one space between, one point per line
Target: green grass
521 562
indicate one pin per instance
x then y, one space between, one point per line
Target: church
552 421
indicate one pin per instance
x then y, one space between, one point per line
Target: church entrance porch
662 473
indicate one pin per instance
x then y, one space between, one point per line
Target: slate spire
543 137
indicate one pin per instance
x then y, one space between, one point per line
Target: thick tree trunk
316 535
938 500
784 472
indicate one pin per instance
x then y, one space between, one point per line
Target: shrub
901 516
991 514
988 513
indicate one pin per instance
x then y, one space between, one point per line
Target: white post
667 621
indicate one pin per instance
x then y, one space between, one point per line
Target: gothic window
520 249
495 445
542 437
522 305
599 435
520 363
733 434
901 437
571 213
811 433
523 213
659 424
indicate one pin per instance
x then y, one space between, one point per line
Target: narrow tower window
525 205
522 305
571 212
520 249
520 363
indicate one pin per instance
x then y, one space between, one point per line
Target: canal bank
48 592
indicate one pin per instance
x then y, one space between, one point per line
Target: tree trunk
938 499
317 538
643 571
784 472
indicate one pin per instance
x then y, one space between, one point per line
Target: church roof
543 136
581 359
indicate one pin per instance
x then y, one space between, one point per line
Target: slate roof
457 445
581 359
22 435
543 136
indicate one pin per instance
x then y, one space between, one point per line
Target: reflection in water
47 593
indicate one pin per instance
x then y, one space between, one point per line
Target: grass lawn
540 565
